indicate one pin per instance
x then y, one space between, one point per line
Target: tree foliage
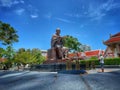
72 43
7 34
7 54
2 52
27 56
21 57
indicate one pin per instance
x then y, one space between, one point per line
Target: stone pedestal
55 54
51 54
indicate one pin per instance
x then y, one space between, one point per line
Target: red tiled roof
113 40
92 53
87 53
72 55
79 54
116 35
2 59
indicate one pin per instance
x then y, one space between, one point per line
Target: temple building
113 46
93 53
87 54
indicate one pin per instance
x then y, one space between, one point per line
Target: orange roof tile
92 53
2 59
87 53
71 55
116 35
113 40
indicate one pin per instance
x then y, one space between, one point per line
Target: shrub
109 61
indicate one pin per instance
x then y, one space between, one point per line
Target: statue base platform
57 67
57 61
60 68
48 67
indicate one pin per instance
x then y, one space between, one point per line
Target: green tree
7 34
28 56
2 52
72 43
38 56
21 50
9 55
21 57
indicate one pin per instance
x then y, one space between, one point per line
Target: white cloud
97 13
34 16
76 15
15 2
32 9
9 3
108 5
48 16
64 20
82 26
21 1
19 11
33 12
6 3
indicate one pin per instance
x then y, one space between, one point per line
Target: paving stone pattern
33 80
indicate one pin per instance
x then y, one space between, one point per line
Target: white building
44 52
85 47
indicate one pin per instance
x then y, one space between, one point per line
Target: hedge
109 61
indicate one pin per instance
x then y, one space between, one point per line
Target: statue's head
58 31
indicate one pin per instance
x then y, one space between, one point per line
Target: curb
109 66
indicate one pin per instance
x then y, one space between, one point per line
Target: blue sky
91 21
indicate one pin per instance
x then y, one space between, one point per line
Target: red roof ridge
113 39
116 35
94 50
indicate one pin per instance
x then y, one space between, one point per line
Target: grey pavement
104 81
97 70
33 80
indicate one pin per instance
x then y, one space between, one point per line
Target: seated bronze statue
57 44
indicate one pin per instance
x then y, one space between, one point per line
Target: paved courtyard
33 80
